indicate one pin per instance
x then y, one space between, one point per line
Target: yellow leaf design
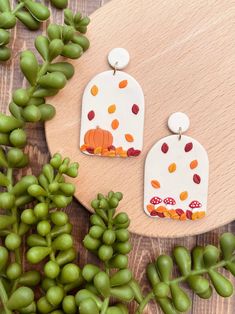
172 167
112 108
183 195
94 90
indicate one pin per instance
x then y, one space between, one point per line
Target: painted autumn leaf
155 184
172 167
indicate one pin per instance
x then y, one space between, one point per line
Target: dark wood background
144 249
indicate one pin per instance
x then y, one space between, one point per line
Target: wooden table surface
144 249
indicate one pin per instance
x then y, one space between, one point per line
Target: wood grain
183 55
145 249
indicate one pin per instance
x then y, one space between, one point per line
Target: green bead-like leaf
29 66
5 6
210 255
164 265
20 298
37 10
183 259
42 46
66 68
227 245
222 285
28 20
180 299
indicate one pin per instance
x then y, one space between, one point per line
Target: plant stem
41 72
10 178
4 298
15 284
18 7
106 300
145 301
105 306
202 271
52 254
14 212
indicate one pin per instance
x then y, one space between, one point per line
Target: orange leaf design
129 138
193 164
94 90
155 184
112 108
115 124
123 84
183 217
83 147
172 167
150 208
161 209
183 195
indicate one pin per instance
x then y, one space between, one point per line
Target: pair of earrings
112 124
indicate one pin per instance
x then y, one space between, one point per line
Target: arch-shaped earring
112 119
176 175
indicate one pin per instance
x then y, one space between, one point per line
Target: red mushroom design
155 200
169 201
195 204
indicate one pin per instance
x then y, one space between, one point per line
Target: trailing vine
28 12
108 238
48 191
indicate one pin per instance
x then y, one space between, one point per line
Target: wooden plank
144 248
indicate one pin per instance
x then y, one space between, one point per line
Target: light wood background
145 249
183 55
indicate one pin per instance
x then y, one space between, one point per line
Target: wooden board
183 55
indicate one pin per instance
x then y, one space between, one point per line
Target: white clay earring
112 120
176 175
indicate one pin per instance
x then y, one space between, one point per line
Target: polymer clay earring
176 175
112 119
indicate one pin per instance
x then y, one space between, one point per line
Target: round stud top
118 58
178 122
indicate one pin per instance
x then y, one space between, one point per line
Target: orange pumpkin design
98 138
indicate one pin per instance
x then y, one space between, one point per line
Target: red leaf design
135 109
130 152
90 150
165 148
196 178
136 152
189 214
179 211
161 215
91 115
188 147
